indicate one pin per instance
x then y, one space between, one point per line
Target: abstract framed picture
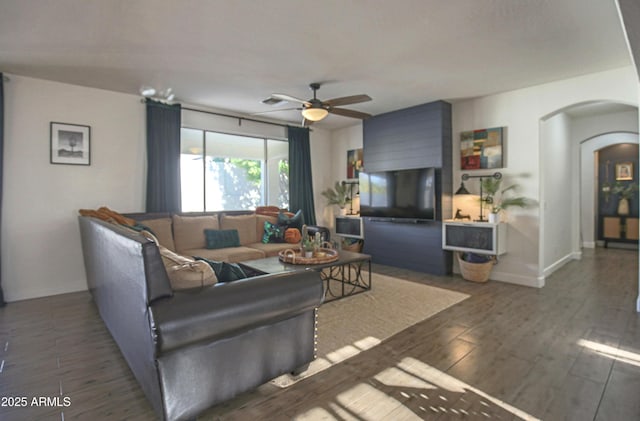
624 171
354 163
480 149
70 144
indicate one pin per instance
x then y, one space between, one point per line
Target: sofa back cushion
188 231
246 226
161 228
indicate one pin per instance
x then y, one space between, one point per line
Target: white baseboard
589 244
512 278
11 296
563 261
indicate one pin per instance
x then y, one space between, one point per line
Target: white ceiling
231 54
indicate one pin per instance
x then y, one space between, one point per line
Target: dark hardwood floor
570 351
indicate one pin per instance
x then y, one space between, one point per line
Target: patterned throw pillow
296 221
219 239
225 272
273 233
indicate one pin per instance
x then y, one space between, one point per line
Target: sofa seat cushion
272 249
230 309
245 224
161 228
188 231
229 254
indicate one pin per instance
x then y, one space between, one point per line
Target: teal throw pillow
225 272
296 221
219 239
273 233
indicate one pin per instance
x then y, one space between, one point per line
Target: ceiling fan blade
290 98
349 113
275 111
347 100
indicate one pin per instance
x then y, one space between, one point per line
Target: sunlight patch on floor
412 390
632 358
349 351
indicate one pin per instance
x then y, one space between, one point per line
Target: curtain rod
236 117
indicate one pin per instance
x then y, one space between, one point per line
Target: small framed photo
624 171
70 144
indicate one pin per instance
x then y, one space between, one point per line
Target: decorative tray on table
296 257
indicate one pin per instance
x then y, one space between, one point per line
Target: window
228 172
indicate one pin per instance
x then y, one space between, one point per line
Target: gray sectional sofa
191 349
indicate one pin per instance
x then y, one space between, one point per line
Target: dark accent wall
415 137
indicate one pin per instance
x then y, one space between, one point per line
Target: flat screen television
407 194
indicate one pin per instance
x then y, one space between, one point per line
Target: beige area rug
348 326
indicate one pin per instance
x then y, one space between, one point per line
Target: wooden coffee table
341 278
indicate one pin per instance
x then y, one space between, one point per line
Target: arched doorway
600 155
562 134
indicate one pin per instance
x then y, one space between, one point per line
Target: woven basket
355 247
475 272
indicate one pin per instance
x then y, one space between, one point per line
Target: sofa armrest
228 309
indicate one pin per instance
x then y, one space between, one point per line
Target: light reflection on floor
607 351
413 390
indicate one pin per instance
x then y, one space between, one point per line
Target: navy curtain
2 303
163 157
300 180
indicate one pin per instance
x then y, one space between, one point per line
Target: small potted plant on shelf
496 198
338 196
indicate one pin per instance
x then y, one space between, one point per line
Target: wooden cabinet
619 229
476 237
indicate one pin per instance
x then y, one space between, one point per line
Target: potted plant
337 196
308 244
497 199
626 192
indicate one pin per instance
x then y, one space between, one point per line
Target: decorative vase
308 254
343 211
493 218
623 206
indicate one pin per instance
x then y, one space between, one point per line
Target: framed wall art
624 171
480 149
70 144
354 163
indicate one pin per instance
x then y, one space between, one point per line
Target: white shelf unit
349 226
475 237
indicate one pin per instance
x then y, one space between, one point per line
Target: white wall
342 140
41 252
521 111
558 192
321 171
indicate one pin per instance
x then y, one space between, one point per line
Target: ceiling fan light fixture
314 114
147 91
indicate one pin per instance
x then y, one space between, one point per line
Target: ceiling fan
316 110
